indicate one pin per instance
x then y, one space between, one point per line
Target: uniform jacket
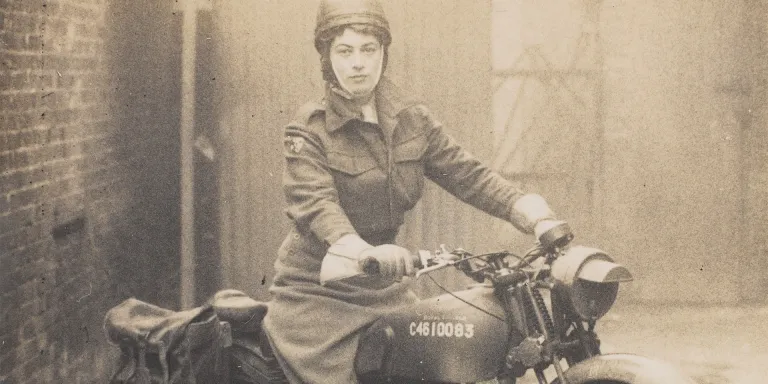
344 175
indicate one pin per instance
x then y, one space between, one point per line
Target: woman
355 163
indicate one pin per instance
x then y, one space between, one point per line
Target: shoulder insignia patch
295 143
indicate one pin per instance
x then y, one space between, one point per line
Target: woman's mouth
358 78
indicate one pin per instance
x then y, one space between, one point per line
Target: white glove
349 246
530 210
342 260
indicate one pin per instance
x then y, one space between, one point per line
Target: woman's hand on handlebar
389 261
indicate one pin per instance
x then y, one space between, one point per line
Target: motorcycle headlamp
588 281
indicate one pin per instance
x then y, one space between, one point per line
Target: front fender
625 368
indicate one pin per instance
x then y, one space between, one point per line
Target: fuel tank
459 337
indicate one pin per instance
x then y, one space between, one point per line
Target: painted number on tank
442 329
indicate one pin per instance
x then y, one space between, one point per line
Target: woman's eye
344 51
369 50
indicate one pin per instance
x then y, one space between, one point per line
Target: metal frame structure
578 84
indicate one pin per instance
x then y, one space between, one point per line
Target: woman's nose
357 60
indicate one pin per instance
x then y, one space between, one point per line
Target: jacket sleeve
313 202
462 175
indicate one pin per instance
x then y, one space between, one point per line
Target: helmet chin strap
344 91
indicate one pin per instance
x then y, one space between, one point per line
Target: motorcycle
501 327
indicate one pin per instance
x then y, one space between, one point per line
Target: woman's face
357 59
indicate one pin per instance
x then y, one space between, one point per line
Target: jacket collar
389 104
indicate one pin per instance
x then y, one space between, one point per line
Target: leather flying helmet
335 13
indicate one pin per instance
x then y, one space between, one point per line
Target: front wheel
557 381
624 369
606 382
510 380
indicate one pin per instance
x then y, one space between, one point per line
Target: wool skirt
314 329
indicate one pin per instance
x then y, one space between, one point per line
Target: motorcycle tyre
623 368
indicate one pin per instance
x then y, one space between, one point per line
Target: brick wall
88 178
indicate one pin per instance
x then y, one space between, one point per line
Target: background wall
88 178
682 84
645 119
754 111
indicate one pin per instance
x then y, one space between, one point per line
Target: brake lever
438 261
433 268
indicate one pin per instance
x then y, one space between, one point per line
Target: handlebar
426 261
556 235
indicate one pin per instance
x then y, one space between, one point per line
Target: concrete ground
714 345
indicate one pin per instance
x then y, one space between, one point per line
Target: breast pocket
350 165
409 168
357 178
